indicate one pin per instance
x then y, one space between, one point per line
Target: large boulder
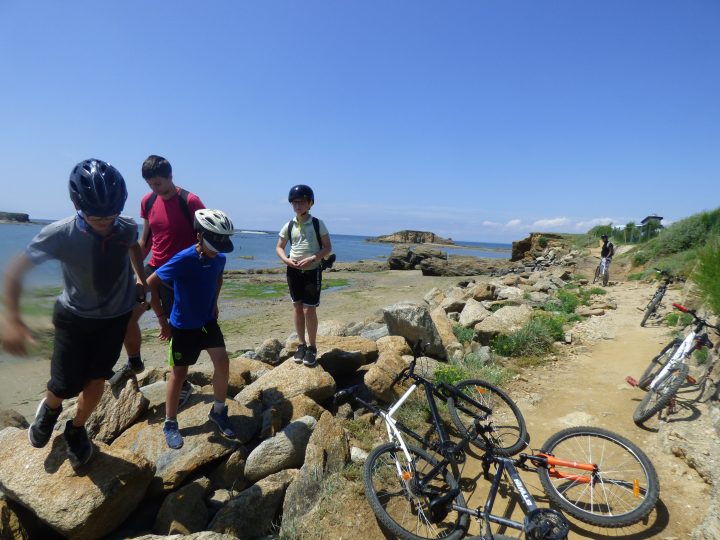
379 378
253 512
12 418
504 321
340 355
84 504
202 442
286 450
473 313
393 344
184 511
269 352
120 406
10 526
287 381
445 330
413 322
327 452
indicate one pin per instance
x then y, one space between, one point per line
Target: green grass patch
260 289
39 302
678 319
638 276
463 335
533 339
701 356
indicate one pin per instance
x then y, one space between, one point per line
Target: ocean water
253 249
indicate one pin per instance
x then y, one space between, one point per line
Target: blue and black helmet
97 188
301 191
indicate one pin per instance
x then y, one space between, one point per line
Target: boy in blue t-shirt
196 275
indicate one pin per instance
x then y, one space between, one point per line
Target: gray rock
413 322
89 503
473 313
286 450
12 418
252 513
154 393
269 352
379 378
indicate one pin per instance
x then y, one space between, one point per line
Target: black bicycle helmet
301 191
97 188
604 237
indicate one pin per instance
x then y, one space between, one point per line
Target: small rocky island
13 217
413 237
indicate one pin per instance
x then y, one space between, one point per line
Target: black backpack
330 259
183 205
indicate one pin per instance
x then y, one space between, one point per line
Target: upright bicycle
669 370
665 279
602 272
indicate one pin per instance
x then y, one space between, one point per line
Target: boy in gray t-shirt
96 249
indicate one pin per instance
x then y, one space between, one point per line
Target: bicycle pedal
631 381
691 380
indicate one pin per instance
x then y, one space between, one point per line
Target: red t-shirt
171 230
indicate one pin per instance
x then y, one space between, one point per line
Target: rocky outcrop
531 246
412 237
14 217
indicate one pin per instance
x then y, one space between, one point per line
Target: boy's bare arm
145 239
154 283
15 334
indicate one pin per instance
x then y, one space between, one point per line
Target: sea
253 249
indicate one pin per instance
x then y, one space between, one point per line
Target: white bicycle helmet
216 229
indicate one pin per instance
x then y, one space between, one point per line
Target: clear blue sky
480 120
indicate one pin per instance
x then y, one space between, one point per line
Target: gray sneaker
222 421
79 447
310 359
185 393
41 429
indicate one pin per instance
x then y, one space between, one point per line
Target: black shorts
166 292
186 344
305 286
85 349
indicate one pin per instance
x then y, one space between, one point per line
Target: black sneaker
300 353
41 429
309 359
79 447
185 393
136 364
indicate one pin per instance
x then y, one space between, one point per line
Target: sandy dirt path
586 386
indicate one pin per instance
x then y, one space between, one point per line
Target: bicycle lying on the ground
594 475
602 272
669 369
665 279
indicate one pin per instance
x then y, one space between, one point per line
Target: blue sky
479 120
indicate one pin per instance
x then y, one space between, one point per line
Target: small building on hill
651 225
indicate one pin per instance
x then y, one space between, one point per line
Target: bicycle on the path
669 370
602 272
665 279
594 475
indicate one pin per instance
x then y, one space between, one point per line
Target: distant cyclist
606 252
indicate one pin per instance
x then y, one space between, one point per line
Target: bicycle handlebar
692 312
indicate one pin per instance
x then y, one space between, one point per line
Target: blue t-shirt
194 279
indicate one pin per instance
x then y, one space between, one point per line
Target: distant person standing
168 216
309 244
608 249
98 251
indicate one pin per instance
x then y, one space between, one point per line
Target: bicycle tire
605 277
657 363
402 512
652 306
507 429
655 400
626 485
597 274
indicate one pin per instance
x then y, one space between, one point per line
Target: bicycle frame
688 345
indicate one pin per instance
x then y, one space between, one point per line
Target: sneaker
173 438
309 359
41 429
300 353
79 447
222 421
136 365
121 374
185 393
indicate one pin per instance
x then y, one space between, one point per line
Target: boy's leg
172 390
299 320
221 373
311 300
133 340
215 346
88 400
311 323
80 448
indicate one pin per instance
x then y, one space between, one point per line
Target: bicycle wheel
652 306
605 276
505 425
623 491
404 508
657 363
597 274
656 399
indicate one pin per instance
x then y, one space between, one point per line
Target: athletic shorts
85 349
186 344
166 293
305 286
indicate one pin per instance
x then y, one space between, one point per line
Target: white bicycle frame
604 265
681 353
393 432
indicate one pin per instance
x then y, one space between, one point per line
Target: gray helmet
216 229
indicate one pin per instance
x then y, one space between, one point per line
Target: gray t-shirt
99 280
